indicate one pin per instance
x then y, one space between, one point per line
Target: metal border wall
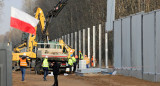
149 46
117 43
158 45
6 64
139 44
126 48
136 45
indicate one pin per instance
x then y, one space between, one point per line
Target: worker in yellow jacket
45 66
70 63
74 63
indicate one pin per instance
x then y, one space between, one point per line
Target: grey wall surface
148 43
117 44
6 64
126 56
136 41
158 45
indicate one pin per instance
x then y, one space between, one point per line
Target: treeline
81 14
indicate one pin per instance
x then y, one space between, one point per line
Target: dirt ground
32 79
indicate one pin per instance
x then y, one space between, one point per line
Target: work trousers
45 69
74 68
23 70
70 69
55 80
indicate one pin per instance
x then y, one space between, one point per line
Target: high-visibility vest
70 62
92 62
73 59
23 62
45 63
80 56
87 60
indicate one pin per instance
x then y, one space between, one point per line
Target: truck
36 48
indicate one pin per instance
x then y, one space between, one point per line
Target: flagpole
10 34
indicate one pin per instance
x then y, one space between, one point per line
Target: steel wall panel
148 43
3 61
126 56
6 63
117 44
158 42
136 42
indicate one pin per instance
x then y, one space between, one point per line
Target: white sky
6 12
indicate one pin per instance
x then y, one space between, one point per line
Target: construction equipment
56 51
30 46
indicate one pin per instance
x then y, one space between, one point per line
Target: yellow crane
31 43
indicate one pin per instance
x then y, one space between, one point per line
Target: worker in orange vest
87 61
92 64
23 62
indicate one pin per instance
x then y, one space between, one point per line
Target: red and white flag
23 21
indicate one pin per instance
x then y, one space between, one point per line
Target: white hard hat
46 56
24 54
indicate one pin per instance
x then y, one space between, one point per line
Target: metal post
100 46
75 43
68 39
94 45
84 43
65 40
89 45
79 40
106 49
110 14
72 40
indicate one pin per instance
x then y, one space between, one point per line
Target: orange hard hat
76 56
85 55
79 51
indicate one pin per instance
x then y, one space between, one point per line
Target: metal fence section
136 45
126 56
158 46
117 44
149 47
5 65
140 50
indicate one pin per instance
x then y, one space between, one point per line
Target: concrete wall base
158 78
136 73
118 71
149 77
126 72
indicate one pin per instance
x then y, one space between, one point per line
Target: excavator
36 50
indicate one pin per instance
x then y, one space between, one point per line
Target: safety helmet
85 55
79 51
76 56
24 54
71 55
46 56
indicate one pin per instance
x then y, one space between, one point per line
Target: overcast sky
5 13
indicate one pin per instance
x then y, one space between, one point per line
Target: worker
45 66
80 56
74 63
55 67
70 63
92 64
87 61
23 62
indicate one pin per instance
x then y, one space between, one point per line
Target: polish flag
23 21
